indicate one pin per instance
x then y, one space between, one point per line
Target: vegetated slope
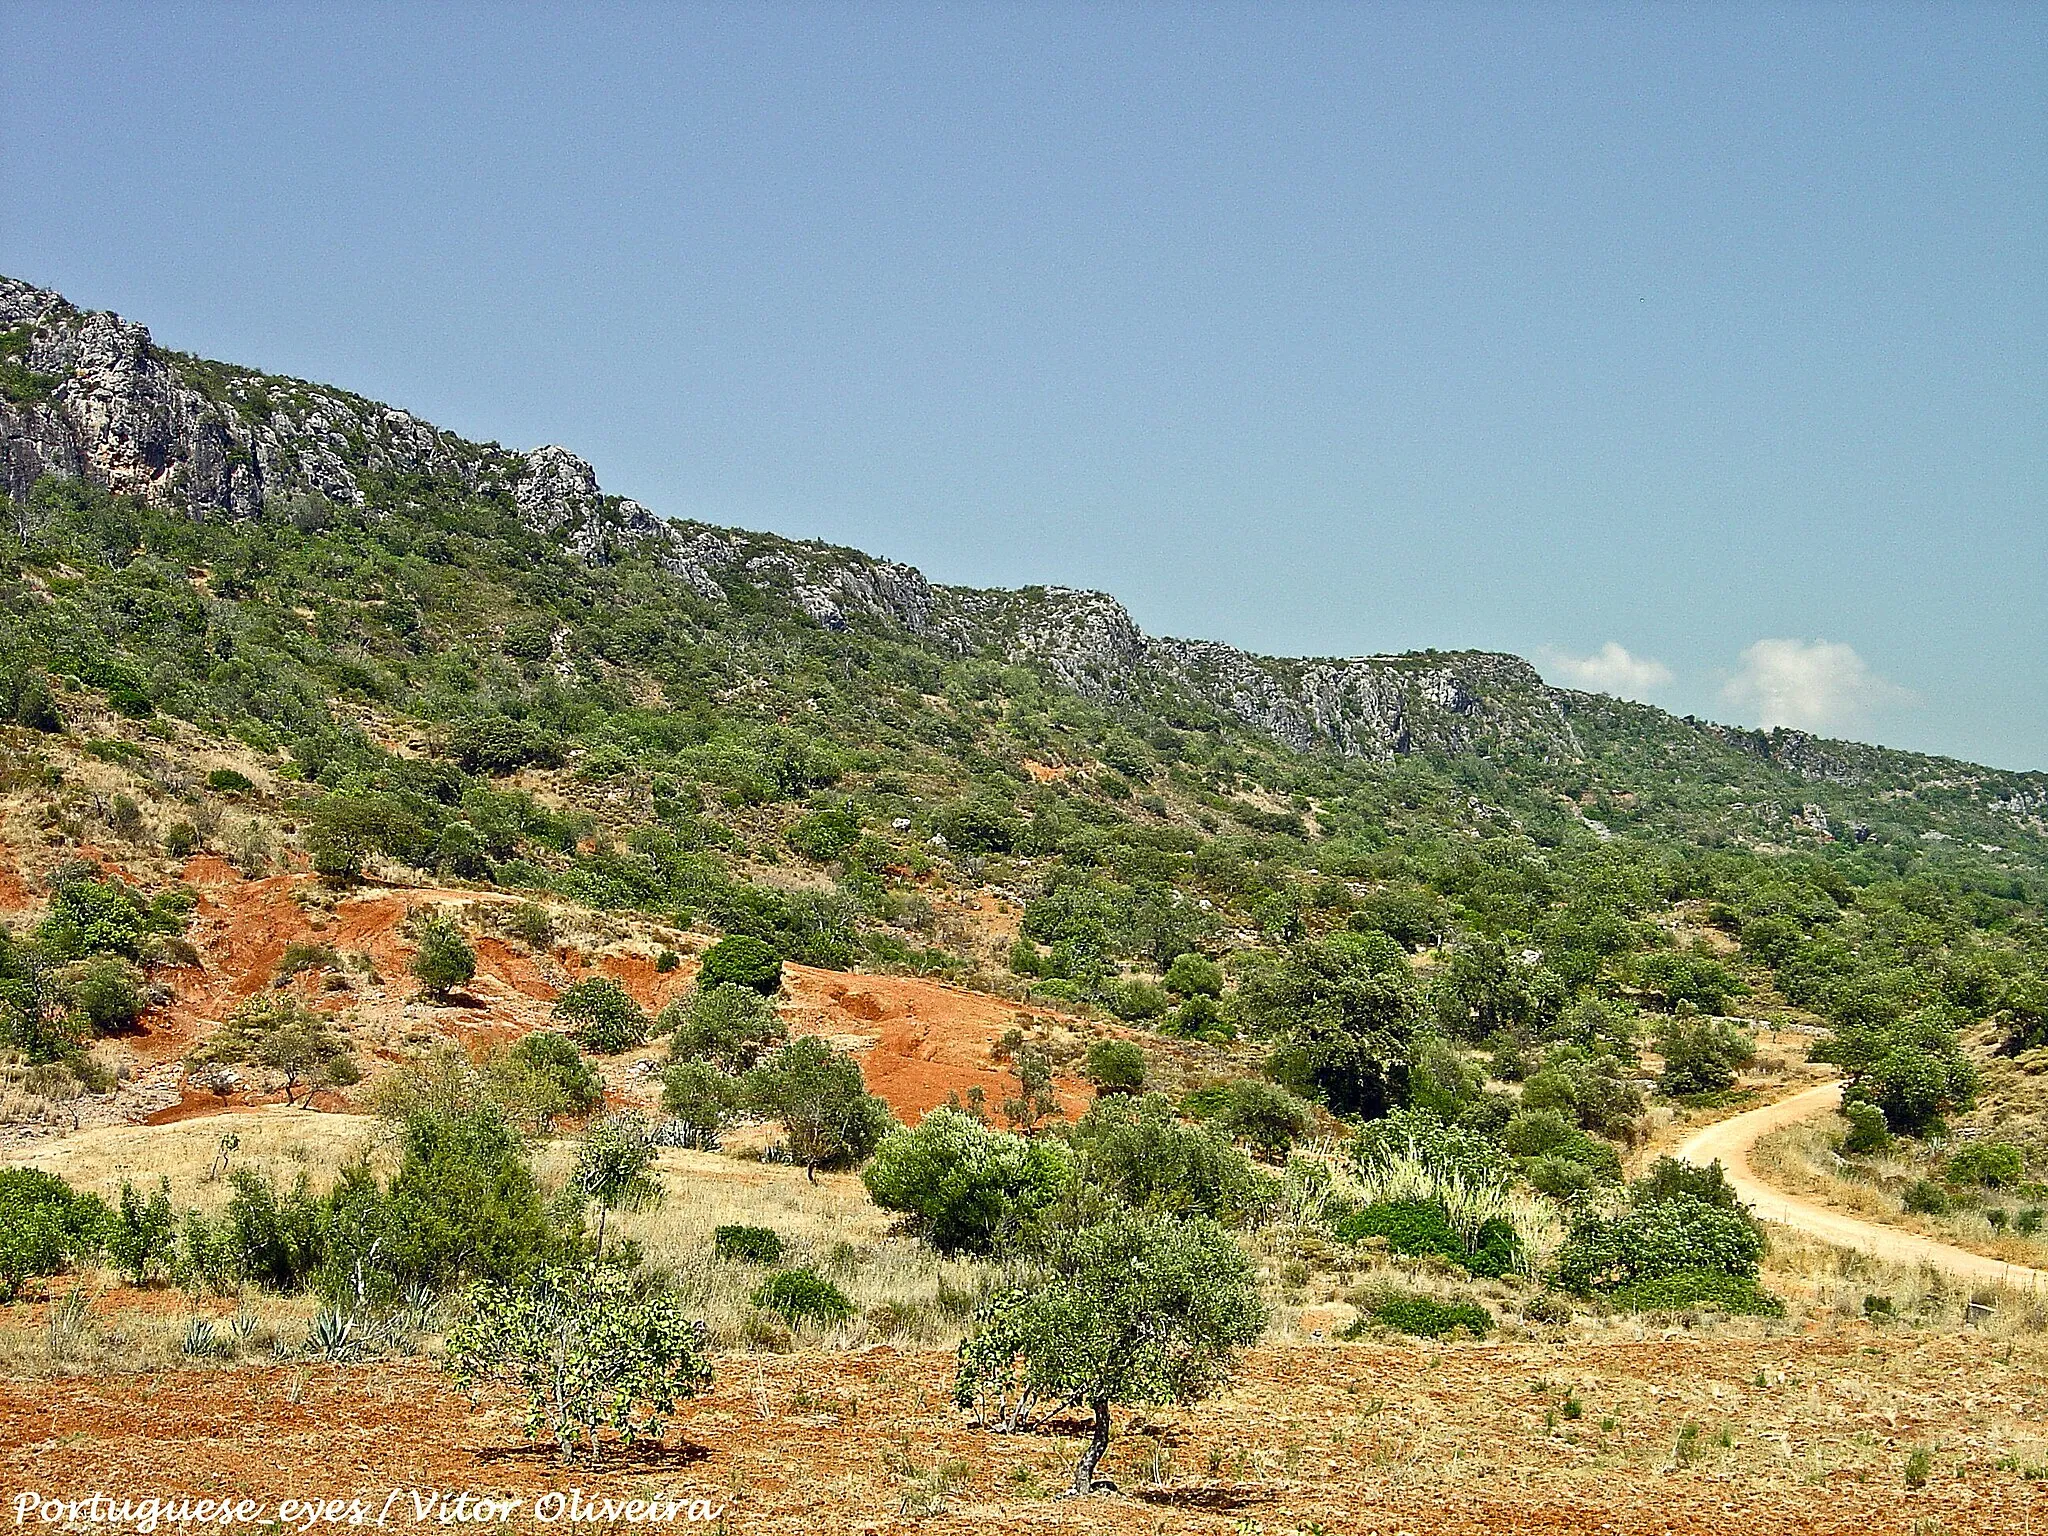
278 621
89 396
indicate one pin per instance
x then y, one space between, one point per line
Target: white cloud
1611 669
1816 685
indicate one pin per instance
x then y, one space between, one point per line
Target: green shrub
800 1296
700 1096
1263 1117
302 955
44 1225
553 1059
1701 1056
1138 1001
1670 1177
1655 1240
1867 1132
104 994
1924 1197
1414 1228
443 959
747 1245
743 961
1991 1164
1193 975
142 1237
1115 1066
602 1015
279 1236
229 781
1736 1295
819 1095
964 1185
723 1024
1422 1317
1135 1151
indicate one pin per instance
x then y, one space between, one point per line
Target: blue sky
1697 353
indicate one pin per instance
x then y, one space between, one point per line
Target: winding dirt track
1730 1141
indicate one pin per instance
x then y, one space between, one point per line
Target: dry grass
1801 1159
275 1140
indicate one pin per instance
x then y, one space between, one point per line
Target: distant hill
89 396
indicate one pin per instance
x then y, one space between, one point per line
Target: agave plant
203 1342
332 1335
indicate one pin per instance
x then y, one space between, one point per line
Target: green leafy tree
1137 1152
589 1351
1912 1068
703 1098
44 1225
549 1077
1701 1055
442 959
827 1114
1136 1310
1116 1066
142 1237
612 1161
1193 975
1345 1014
1264 1117
725 1024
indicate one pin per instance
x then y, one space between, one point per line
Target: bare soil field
1671 1434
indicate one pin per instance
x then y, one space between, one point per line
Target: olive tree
1137 1309
822 1101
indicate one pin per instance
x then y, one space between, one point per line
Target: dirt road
1730 1141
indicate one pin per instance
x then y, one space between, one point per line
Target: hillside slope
90 396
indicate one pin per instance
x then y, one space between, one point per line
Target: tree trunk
1091 1454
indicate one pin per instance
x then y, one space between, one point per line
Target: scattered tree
827 1114
589 1350
283 1037
1138 1310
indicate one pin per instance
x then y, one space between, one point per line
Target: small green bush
800 1296
1115 1066
1657 1239
229 781
743 961
1422 1317
443 959
1868 1132
748 1245
603 1015
1924 1197
1736 1295
1991 1164
1414 1228
1193 975
554 1060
